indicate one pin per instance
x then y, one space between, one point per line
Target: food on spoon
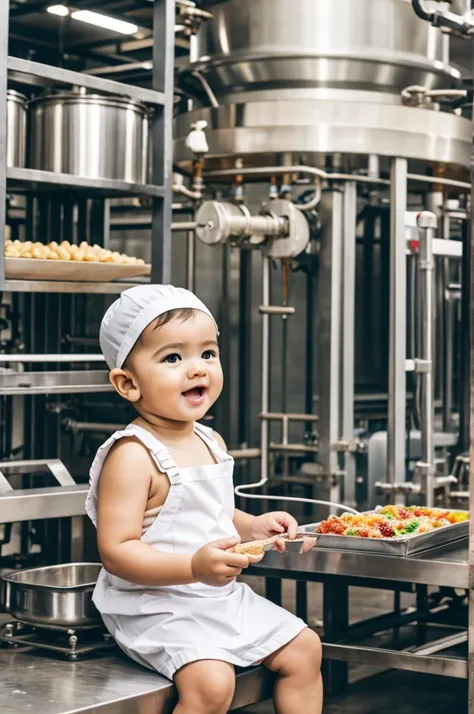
253 550
255 547
67 251
391 522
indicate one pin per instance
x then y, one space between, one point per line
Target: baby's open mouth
195 395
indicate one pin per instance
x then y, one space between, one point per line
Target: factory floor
402 692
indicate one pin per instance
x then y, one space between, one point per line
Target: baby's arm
123 493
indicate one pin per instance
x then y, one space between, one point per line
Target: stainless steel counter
445 566
32 682
111 684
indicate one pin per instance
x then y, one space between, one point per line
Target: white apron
165 628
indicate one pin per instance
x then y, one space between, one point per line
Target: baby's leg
299 686
205 687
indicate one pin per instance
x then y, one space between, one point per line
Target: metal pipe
181 188
330 284
438 179
51 358
91 426
205 85
282 310
465 362
184 226
250 453
266 171
246 225
397 337
279 416
263 171
427 223
348 336
265 403
191 259
293 448
313 202
448 325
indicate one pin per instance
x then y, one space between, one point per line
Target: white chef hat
127 317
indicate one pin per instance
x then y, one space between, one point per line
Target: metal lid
14 96
81 98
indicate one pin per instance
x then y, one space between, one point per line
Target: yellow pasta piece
63 253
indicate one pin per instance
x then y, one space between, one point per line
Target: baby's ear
124 384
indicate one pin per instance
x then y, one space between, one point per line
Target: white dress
165 628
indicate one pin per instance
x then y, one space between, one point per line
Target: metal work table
109 684
444 566
343 642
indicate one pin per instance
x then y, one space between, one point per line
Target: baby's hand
214 564
274 523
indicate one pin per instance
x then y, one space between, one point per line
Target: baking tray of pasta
70 270
65 261
401 543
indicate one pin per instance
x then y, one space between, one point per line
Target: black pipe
465 338
244 347
418 7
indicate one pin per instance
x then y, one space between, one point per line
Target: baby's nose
198 367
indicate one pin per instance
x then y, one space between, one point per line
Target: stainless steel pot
54 596
90 135
16 128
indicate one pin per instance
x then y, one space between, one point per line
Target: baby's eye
208 354
172 359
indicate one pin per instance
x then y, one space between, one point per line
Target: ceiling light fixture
108 23
60 10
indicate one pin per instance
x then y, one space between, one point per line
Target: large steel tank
377 45
312 77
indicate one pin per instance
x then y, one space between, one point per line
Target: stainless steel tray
402 546
57 596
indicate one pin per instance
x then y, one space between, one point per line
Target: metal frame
33 181
330 311
466 299
338 570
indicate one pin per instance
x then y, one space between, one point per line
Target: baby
162 500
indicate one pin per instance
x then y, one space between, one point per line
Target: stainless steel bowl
89 135
16 129
54 596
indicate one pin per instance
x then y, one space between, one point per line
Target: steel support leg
4 13
330 308
336 624
162 140
469 389
348 333
397 349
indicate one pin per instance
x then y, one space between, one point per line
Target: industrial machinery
305 145
292 110
313 161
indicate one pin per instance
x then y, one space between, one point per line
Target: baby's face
177 368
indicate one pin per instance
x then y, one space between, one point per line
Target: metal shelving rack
160 97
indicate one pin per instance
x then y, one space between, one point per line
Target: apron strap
159 451
216 450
